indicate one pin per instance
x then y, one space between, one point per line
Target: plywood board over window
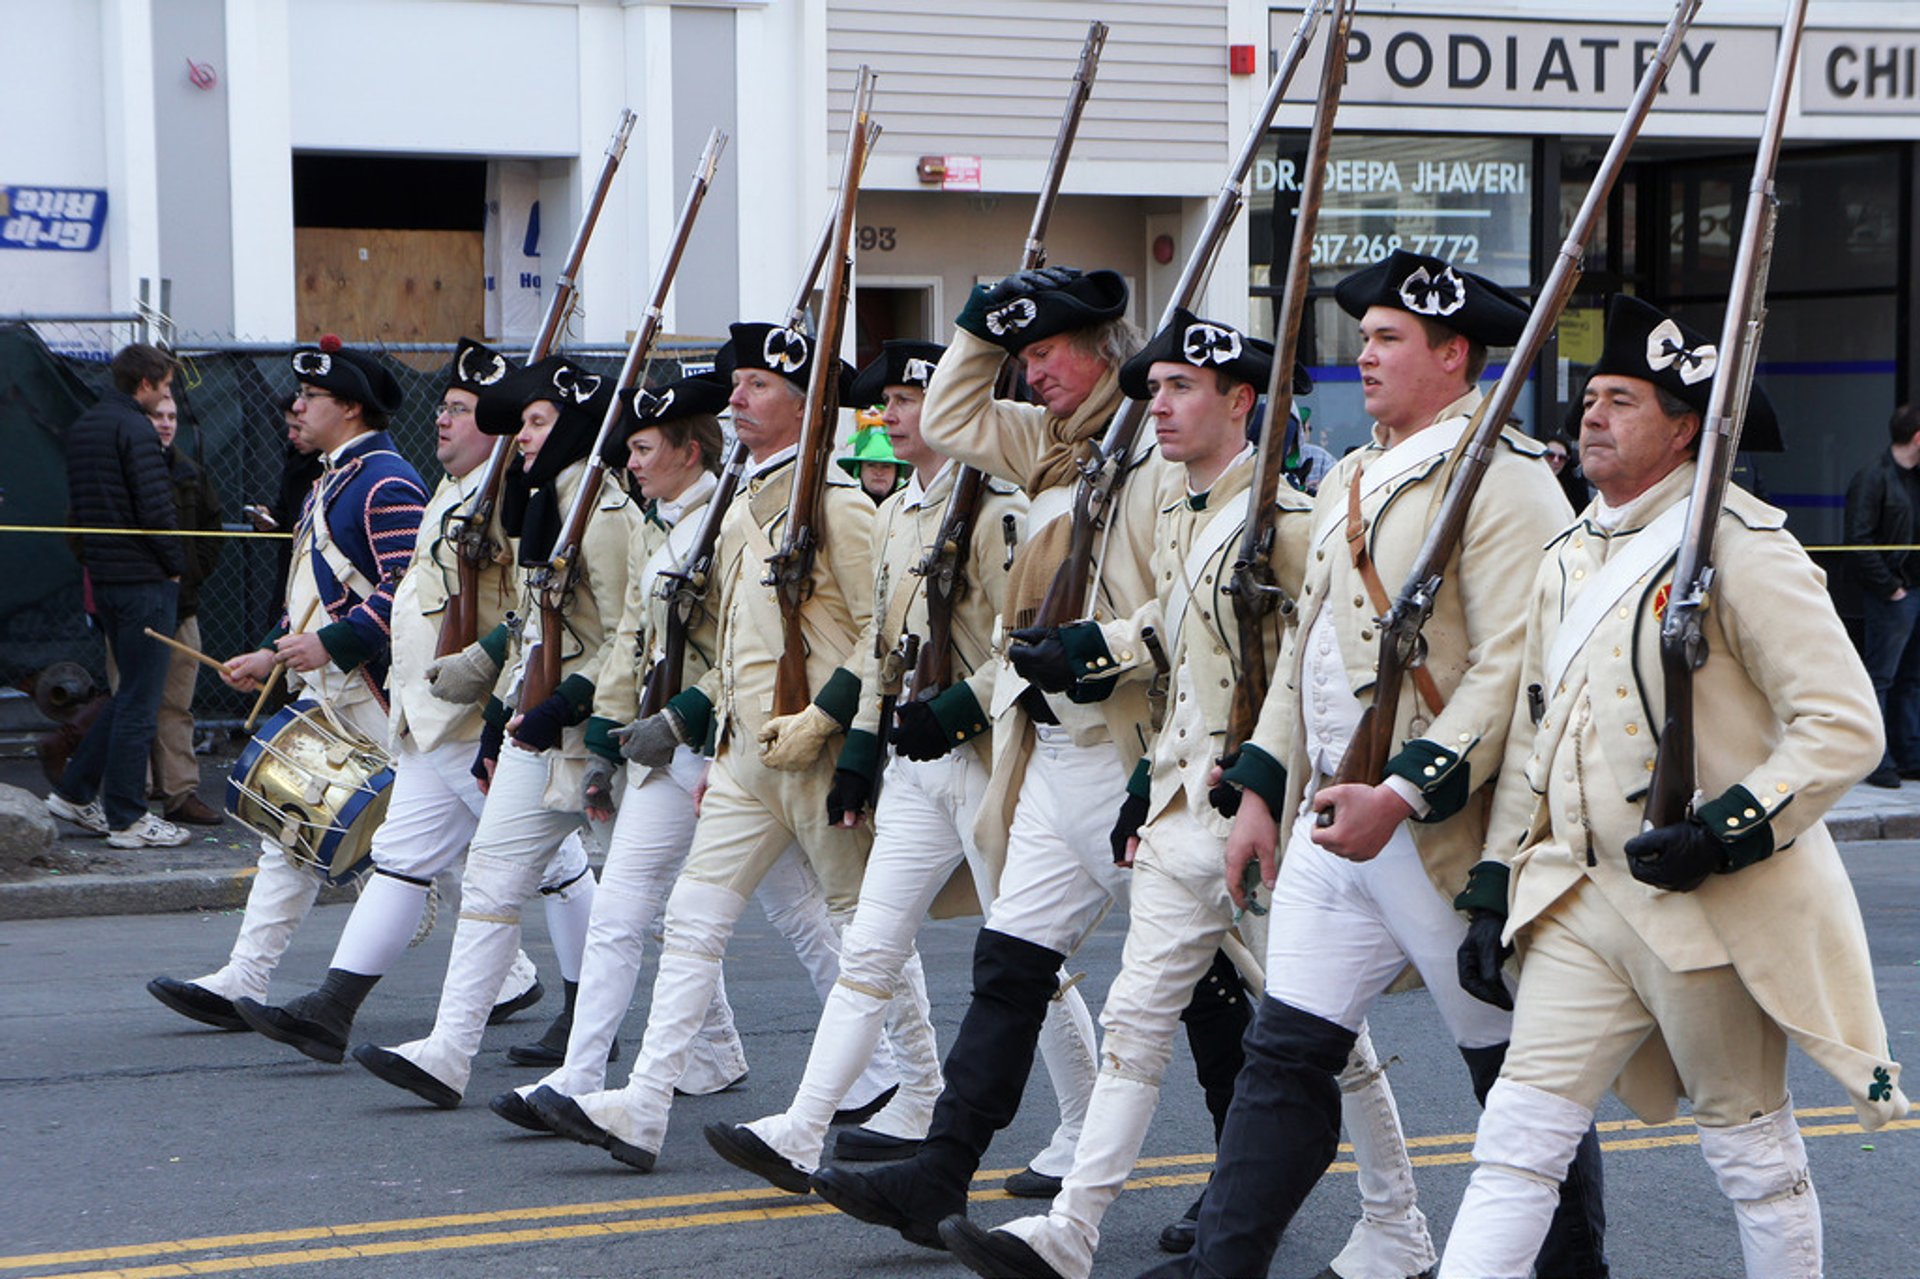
389 286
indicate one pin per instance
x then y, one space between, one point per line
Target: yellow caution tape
136 532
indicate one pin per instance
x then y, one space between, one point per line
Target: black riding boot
316 1023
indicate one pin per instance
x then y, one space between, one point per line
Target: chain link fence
229 393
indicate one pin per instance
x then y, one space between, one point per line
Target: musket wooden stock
553 580
1069 595
1255 592
1683 646
790 569
471 532
1402 646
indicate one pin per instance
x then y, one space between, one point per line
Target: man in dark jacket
117 479
1882 499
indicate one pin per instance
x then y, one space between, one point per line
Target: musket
1402 647
471 530
1683 643
943 567
553 580
1070 595
790 569
684 587
1255 592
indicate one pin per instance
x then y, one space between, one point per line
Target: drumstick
279 664
178 647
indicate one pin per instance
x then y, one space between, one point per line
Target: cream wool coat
589 632
1784 709
643 616
1473 638
961 419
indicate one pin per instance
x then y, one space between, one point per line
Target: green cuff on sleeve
578 690
496 713
1743 824
1442 776
600 738
1140 781
840 696
973 316
696 714
343 645
495 644
1261 773
272 639
860 753
959 713
1486 888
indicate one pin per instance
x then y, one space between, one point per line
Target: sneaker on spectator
148 831
88 816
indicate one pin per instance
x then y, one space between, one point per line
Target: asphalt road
133 1143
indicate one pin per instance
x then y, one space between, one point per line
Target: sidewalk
85 877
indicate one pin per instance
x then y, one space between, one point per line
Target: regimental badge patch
1660 598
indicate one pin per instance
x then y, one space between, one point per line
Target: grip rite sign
1525 64
60 218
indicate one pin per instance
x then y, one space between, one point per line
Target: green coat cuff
1140 781
840 696
695 712
1486 888
496 713
343 645
600 738
973 316
495 644
860 753
578 690
959 713
1739 821
1442 776
1095 671
1261 773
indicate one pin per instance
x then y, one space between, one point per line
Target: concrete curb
157 893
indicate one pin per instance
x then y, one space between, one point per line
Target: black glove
1040 657
851 792
540 727
1224 795
917 733
1022 284
1678 857
1133 815
492 736
1481 955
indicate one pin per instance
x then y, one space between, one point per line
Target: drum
314 788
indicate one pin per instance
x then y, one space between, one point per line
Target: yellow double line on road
362 1241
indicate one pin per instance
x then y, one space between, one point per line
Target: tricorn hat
775 347
1644 342
900 363
581 395
1471 305
1087 299
476 367
641 407
355 376
1205 344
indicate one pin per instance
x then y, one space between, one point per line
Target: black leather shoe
519 1003
1886 777
865 1146
860 1114
1331 1273
1028 1184
740 1146
1178 1237
513 1108
197 1002
993 1253
564 1116
855 1194
401 1073
283 1026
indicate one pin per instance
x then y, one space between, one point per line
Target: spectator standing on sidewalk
1882 499
117 479
175 772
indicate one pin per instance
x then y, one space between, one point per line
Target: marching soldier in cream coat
1680 960
923 822
435 803
1058 766
751 812
1201 380
532 814
1359 900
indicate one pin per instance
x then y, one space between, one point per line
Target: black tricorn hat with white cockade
901 362
581 395
354 376
641 407
476 367
1089 298
1646 343
1206 344
1471 305
776 348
